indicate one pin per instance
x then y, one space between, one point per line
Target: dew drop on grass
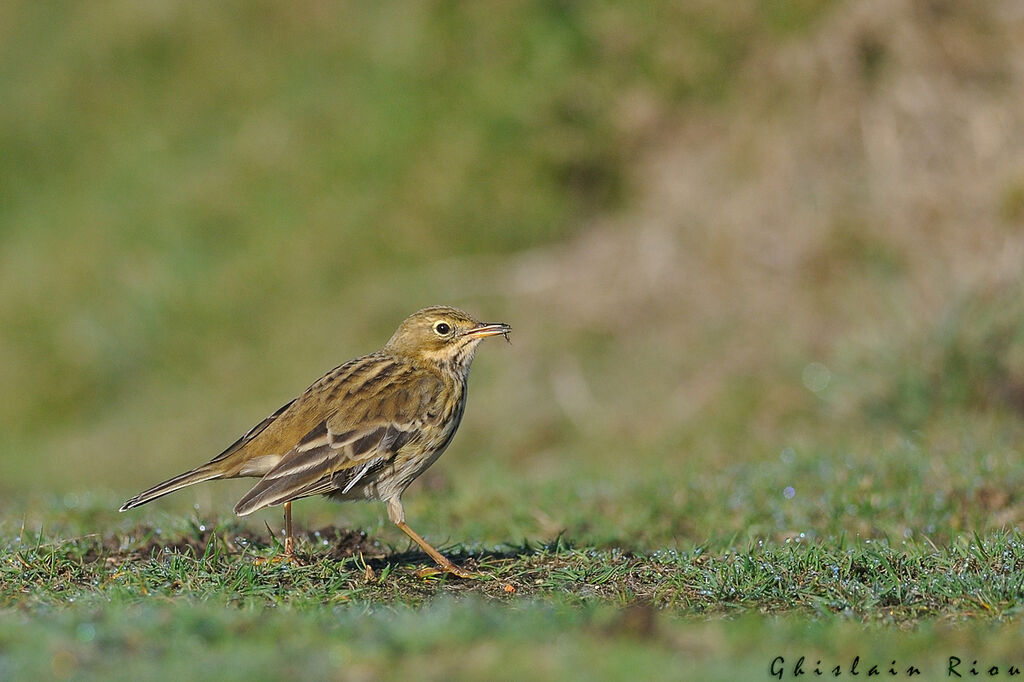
789 492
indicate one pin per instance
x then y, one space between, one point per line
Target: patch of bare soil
891 137
862 179
146 541
340 543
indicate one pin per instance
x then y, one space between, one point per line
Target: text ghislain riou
955 667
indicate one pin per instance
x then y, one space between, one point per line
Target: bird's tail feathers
198 475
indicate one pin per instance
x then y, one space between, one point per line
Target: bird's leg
440 559
397 515
289 541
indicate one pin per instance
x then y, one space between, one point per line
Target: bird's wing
367 427
265 444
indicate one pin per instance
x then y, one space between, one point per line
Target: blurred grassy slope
209 206
745 247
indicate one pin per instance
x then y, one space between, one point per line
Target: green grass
182 599
864 580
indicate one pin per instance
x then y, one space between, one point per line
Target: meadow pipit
363 431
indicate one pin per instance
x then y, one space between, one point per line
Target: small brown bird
363 431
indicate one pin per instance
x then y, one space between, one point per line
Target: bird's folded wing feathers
340 450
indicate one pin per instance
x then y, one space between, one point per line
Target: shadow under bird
363 431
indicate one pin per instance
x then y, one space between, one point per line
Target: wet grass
596 569
188 595
864 580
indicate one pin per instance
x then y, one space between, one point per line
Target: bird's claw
287 557
430 571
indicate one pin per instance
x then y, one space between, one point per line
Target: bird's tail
197 475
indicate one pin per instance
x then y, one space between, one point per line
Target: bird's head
443 335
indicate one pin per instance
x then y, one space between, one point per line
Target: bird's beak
490 329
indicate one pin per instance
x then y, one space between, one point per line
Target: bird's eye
442 328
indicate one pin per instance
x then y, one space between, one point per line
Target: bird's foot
288 556
458 572
279 559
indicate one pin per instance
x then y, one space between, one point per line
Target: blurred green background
762 258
